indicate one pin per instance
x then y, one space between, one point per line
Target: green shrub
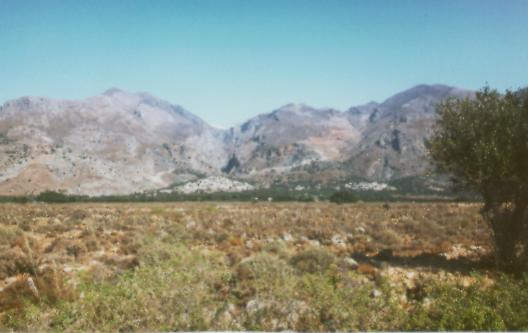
315 260
262 266
53 197
503 306
174 294
343 197
9 234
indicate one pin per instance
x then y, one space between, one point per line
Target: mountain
117 142
120 142
373 141
293 135
393 141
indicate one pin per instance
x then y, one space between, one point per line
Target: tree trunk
508 223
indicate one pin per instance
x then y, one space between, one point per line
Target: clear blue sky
228 60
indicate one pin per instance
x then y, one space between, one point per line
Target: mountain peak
301 108
426 89
112 91
429 87
295 107
422 91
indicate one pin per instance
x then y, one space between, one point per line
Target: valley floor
260 266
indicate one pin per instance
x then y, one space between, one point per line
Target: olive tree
483 143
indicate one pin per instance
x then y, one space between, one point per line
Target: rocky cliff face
122 142
393 141
293 135
374 141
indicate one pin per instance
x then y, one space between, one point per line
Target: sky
227 61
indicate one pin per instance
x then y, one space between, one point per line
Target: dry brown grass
79 233
57 246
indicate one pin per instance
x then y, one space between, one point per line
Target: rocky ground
234 266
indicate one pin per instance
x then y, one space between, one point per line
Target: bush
174 294
262 266
503 306
343 197
9 234
316 260
53 197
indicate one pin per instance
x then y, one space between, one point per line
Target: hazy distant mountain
122 142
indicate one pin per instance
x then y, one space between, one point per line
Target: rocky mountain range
121 143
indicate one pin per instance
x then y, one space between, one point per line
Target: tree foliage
341 197
54 197
483 143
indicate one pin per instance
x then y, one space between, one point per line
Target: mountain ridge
120 142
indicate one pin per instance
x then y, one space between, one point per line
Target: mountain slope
119 143
292 135
393 142
373 141
114 143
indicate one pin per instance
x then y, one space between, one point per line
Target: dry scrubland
234 266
